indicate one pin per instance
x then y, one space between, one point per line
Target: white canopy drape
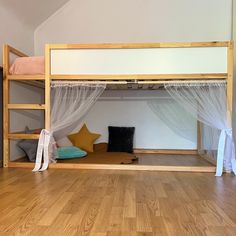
175 117
208 103
70 102
209 141
184 124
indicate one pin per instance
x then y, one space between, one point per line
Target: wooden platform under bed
126 161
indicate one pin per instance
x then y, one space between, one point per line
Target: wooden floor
104 203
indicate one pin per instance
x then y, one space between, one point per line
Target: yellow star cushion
84 139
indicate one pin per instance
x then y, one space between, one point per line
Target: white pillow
64 142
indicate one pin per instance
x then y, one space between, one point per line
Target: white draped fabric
70 102
208 103
175 117
184 124
209 141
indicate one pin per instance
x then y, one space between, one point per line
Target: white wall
91 21
19 35
130 108
15 33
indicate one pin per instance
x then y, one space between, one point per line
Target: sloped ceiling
32 12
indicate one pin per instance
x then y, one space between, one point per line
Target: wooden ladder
7 106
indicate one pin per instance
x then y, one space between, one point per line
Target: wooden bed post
6 62
230 68
47 86
199 136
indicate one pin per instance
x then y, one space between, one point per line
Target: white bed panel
139 61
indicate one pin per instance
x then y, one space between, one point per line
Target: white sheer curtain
70 102
208 103
209 141
175 117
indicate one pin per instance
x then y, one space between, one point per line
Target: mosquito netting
207 103
70 102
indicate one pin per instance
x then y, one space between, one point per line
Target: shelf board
26 77
23 136
206 169
140 76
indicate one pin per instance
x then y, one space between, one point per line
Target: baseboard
208 158
166 151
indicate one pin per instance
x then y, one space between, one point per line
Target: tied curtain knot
226 152
45 140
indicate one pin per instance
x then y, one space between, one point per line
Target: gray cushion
29 147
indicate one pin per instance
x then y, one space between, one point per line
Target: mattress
101 156
28 66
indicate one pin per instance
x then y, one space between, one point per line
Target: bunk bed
120 65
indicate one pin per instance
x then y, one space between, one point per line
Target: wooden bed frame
112 79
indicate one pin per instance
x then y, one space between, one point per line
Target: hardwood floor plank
61 220
99 203
101 221
55 209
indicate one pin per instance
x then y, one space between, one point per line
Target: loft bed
132 66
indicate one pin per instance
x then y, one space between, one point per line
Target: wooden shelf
23 136
140 76
27 106
206 169
141 45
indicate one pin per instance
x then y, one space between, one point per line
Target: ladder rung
23 136
27 106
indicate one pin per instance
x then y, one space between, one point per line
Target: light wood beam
26 77
6 63
199 136
47 87
206 169
94 77
27 106
22 136
140 45
16 52
230 68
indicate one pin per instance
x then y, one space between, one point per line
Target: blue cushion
70 152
